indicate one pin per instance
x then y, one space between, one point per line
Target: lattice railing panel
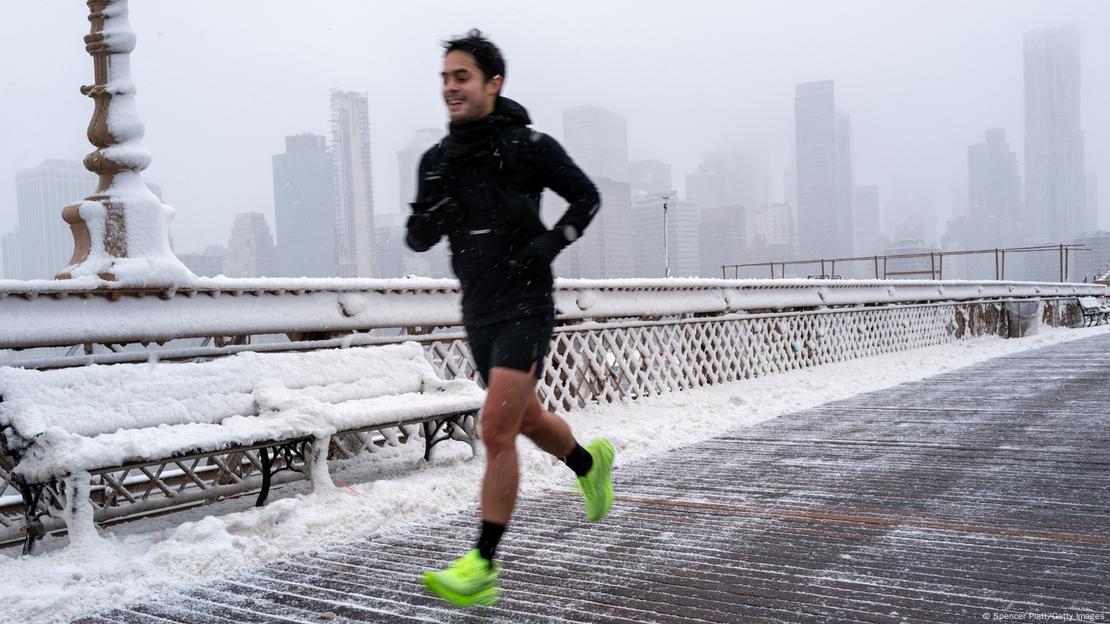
609 364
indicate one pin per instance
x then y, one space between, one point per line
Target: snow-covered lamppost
666 245
121 231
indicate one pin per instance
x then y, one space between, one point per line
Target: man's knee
498 434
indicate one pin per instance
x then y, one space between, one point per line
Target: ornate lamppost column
121 231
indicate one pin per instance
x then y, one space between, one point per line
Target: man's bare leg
546 430
509 395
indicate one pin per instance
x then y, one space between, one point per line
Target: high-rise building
823 170
436 261
42 243
771 236
1055 189
993 183
305 208
994 192
250 249
12 258
350 135
207 263
706 189
653 250
605 249
408 161
649 177
742 178
597 140
721 238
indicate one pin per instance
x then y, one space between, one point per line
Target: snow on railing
82 311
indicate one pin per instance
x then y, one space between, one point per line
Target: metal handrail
936 261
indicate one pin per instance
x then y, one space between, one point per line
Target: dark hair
486 54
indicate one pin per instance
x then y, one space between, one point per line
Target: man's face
467 94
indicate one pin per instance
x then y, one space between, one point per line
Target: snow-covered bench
61 427
1094 312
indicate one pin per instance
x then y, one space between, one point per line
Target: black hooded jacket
495 170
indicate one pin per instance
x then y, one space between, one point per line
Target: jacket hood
510 112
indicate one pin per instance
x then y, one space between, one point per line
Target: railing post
876 267
121 231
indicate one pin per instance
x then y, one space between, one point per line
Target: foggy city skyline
221 86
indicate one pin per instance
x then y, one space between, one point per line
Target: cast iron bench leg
267 461
32 526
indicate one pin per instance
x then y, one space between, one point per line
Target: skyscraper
679 247
994 192
250 249
42 243
207 263
597 140
773 226
705 188
742 178
823 170
605 249
649 176
721 238
11 256
1055 189
408 160
305 208
350 135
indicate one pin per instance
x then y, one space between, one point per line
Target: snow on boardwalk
974 495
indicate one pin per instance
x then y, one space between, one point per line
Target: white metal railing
55 313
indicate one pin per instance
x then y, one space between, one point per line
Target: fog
222 82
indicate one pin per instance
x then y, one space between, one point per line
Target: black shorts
515 343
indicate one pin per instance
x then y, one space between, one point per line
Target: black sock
579 460
488 539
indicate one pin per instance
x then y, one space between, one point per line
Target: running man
480 187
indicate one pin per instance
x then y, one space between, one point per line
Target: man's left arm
559 173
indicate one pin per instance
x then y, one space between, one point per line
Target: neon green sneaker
597 486
467 581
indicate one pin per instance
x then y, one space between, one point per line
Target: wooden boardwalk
980 495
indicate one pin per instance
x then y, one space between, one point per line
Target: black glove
541 249
442 213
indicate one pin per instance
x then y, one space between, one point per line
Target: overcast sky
222 82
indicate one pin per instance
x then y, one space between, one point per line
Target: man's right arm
423 229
